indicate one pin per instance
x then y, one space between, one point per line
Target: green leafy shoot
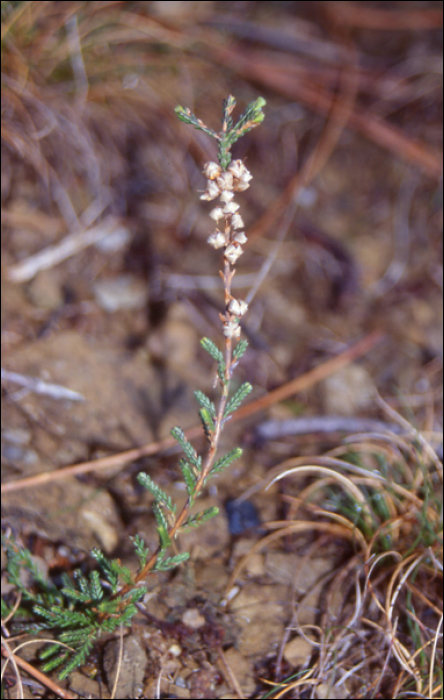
185 115
189 451
159 495
207 423
141 550
240 349
202 517
188 476
252 117
236 400
172 562
216 354
212 350
204 402
226 460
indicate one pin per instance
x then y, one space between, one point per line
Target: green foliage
202 517
216 354
80 612
207 413
190 452
236 400
141 550
230 132
253 116
226 460
171 562
204 402
240 349
212 350
185 115
159 495
207 423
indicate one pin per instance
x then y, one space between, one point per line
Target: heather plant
85 608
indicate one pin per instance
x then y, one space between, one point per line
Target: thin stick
41 677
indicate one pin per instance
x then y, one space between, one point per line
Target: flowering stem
224 179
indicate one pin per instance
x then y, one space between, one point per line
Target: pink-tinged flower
225 181
237 168
237 307
217 214
212 170
217 239
233 252
211 192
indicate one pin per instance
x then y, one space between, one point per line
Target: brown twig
41 677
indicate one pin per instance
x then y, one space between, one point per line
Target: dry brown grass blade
341 108
356 14
294 386
40 677
311 377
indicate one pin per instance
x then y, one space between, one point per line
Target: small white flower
232 329
240 237
233 252
237 168
237 221
226 196
211 192
212 170
225 181
217 239
231 208
217 214
237 307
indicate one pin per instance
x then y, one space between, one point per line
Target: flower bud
211 192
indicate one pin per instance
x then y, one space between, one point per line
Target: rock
132 668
